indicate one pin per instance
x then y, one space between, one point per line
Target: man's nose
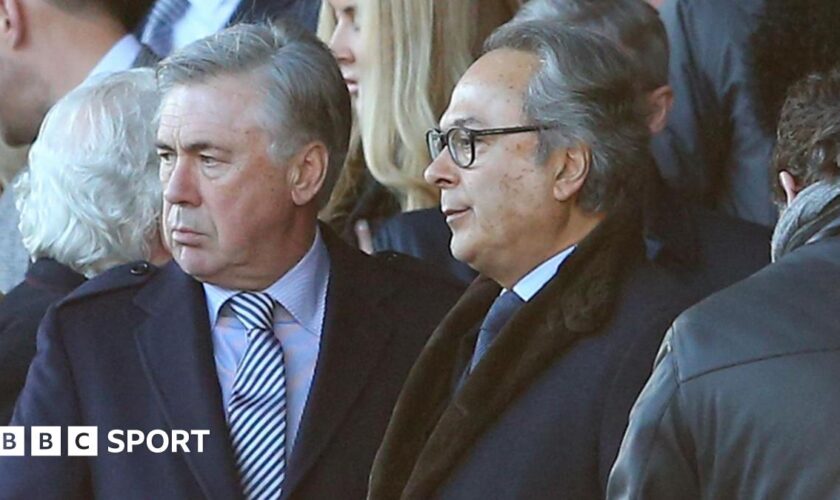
180 188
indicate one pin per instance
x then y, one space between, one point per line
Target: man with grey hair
635 26
541 157
278 346
90 200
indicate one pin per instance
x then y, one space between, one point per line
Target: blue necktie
159 28
500 312
257 407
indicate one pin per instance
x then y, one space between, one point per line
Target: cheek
513 201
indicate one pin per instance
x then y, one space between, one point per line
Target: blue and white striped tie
159 28
257 407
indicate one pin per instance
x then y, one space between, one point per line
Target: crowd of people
410 249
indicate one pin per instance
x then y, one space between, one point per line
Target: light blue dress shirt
533 282
302 291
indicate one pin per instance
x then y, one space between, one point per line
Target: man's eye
166 156
208 161
462 143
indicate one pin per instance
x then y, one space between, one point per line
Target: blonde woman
400 59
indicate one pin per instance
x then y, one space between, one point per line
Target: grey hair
306 98
634 25
583 93
91 197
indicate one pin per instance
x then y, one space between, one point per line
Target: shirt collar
532 282
208 7
120 57
302 290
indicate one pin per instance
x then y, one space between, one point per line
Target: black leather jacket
745 398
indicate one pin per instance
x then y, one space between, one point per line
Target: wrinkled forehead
230 102
492 91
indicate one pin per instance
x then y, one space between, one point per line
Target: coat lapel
430 430
351 345
176 350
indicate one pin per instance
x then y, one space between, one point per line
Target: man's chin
192 263
461 250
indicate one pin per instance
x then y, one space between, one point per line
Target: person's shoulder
732 228
785 308
736 246
122 278
413 272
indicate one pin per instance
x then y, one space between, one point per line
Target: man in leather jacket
743 399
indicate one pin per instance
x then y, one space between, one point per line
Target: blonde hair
422 47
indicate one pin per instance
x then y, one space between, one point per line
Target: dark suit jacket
543 414
21 311
304 12
132 350
704 250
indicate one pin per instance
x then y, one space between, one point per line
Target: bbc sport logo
83 441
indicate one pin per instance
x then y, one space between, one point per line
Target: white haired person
90 200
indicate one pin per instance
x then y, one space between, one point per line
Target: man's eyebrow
465 122
193 147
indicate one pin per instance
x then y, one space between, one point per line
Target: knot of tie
255 310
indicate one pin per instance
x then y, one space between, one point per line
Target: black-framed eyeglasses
461 141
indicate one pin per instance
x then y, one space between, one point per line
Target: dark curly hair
808 137
793 38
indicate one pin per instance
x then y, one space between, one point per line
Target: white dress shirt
302 291
533 282
202 18
119 58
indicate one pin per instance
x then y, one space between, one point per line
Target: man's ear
788 183
660 102
11 23
571 168
307 172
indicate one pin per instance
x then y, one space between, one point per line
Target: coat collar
430 430
669 232
176 350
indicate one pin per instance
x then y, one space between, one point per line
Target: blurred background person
713 150
401 60
48 47
700 247
89 200
731 66
743 401
171 24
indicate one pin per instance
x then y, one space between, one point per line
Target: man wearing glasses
524 389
